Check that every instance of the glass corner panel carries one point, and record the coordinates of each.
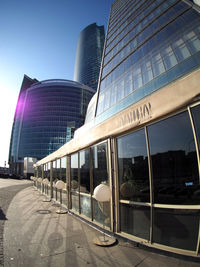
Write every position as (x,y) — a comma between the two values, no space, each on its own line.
(133,167)
(176,228)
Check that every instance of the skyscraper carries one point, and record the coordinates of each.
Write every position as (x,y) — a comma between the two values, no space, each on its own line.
(149,44)
(46,116)
(89,54)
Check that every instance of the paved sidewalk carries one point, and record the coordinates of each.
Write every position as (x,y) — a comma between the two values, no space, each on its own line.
(35,235)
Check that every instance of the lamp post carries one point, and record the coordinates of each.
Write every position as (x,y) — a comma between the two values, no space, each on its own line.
(102,193)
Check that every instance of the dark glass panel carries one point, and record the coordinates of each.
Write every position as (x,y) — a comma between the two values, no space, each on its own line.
(54,173)
(100,173)
(74,182)
(133,167)
(176,228)
(196,118)
(135,220)
(174,161)
(85,171)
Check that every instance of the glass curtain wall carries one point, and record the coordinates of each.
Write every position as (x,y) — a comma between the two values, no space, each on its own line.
(89,168)
(134,185)
(175,182)
(48,168)
(39,169)
(168,202)
(63,170)
(85,187)
(74,182)
(100,175)
(54,178)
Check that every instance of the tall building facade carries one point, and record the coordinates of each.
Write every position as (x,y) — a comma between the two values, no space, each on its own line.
(149,44)
(89,54)
(46,116)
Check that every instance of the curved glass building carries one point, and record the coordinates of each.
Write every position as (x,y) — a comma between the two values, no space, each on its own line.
(88,55)
(46,116)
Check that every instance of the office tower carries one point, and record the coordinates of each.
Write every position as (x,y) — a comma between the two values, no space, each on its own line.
(149,44)
(46,116)
(88,55)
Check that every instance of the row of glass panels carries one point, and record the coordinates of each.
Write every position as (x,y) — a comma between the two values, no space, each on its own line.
(157,188)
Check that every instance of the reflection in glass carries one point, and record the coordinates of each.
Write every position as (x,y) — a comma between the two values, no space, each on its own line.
(174,161)
(85,200)
(58,168)
(196,118)
(176,228)
(133,167)
(63,166)
(63,169)
(55,178)
(100,175)
(85,171)
(135,220)
(74,182)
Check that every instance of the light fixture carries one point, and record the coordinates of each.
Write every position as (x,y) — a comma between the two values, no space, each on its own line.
(102,193)
(60,185)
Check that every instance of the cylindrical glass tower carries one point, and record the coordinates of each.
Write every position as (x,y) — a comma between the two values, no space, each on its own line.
(47,114)
(88,55)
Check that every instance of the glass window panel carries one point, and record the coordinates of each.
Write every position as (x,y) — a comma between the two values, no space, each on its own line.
(193,42)
(58,168)
(113,96)
(128,86)
(100,103)
(107,99)
(176,228)
(54,174)
(133,167)
(63,168)
(174,161)
(85,171)
(196,118)
(137,78)
(181,50)
(85,201)
(74,182)
(135,220)
(158,66)
(120,90)
(147,72)
(100,175)
(169,57)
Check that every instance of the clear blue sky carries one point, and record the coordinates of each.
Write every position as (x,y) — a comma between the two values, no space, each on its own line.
(39,38)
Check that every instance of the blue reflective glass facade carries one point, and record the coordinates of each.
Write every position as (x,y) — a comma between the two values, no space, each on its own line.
(89,54)
(45,112)
(149,44)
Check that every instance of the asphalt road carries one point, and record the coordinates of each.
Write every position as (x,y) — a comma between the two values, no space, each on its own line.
(8,189)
